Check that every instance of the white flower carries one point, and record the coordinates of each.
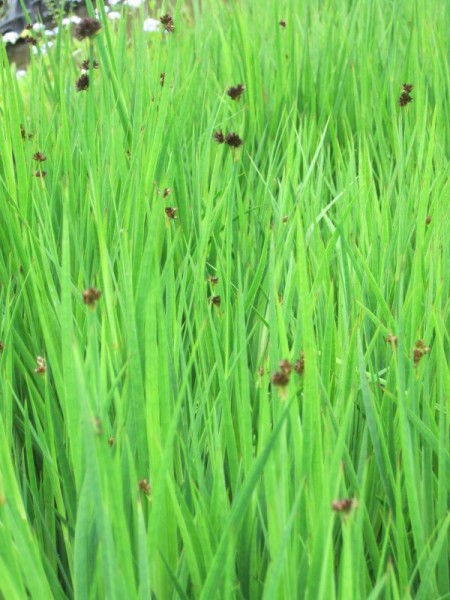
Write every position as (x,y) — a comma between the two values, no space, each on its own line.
(114,2)
(38,26)
(20,74)
(133,3)
(113,15)
(11,37)
(151,25)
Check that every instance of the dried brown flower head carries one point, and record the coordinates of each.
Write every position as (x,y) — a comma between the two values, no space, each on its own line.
(419,352)
(41,367)
(87,28)
(91,296)
(111,441)
(41,174)
(170,212)
(145,487)
(29,39)
(39,157)
(219,137)
(280,379)
(428,220)
(404,99)
(299,366)
(282,24)
(166,192)
(168,23)
(345,505)
(162,78)
(391,339)
(82,83)
(233,140)
(235,92)
(213,280)
(407,87)
(215,301)
(86,64)
(285,366)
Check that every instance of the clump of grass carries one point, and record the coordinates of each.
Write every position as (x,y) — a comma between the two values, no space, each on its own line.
(253,399)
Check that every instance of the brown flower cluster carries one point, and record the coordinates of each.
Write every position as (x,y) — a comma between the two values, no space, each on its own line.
(170,212)
(24,134)
(86,63)
(167,21)
(345,505)
(235,92)
(41,367)
(82,83)
(39,157)
(281,378)
(216,301)
(91,296)
(145,487)
(391,339)
(230,139)
(405,97)
(420,349)
(87,28)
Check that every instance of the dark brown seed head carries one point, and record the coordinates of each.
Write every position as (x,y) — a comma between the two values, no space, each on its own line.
(407,87)
(215,301)
(82,83)
(168,23)
(145,487)
(22,132)
(87,28)
(285,366)
(233,140)
(419,352)
(91,295)
(39,157)
(428,220)
(166,192)
(282,24)
(162,78)
(41,367)
(299,366)
(404,99)
(111,441)
(86,63)
(280,379)
(344,506)
(170,212)
(213,280)
(32,41)
(2,346)
(41,174)
(235,92)
(219,137)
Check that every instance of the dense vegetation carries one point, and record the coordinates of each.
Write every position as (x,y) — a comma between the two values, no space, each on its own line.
(224,366)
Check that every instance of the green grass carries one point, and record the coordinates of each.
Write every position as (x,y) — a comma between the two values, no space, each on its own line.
(316,228)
